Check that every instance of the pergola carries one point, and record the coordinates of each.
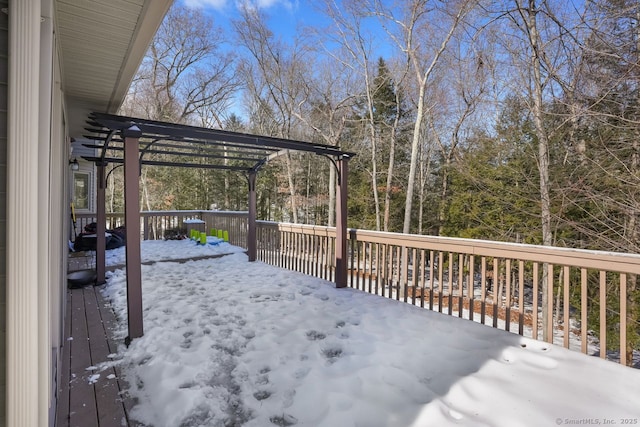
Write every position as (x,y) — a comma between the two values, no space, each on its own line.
(131,141)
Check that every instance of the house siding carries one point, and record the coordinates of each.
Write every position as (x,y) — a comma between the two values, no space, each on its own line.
(4,61)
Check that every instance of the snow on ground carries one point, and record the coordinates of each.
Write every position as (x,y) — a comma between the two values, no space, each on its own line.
(230,343)
(162,250)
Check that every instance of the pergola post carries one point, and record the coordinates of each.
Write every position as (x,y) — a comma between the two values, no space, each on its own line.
(341,223)
(252,247)
(101,219)
(132,225)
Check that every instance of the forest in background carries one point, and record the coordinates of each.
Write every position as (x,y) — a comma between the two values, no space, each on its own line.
(511,121)
(508,120)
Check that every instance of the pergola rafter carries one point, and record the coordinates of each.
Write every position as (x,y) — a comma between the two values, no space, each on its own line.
(131,141)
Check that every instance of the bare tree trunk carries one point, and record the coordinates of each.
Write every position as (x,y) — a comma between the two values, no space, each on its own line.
(633,302)
(414,159)
(332,196)
(145,196)
(387,195)
(425,173)
(423,77)
(227,184)
(308,192)
(392,156)
(112,189)
(543,149)
(442,209)
(374,177)
(292,189)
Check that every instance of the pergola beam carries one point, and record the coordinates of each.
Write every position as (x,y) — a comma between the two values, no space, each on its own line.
(185,133)
(204,155)
(225,145)
(175,164)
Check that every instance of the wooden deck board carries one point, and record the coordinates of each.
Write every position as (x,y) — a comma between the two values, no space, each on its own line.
(62,409)
(82,403)
(88,343)
(109,321)
(109,403)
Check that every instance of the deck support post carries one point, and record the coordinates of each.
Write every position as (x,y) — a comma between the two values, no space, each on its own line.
(252,247)
(341,223)
(132,225)
(101,220)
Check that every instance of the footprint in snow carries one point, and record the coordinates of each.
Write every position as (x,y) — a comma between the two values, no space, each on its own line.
(315,335)
(262,394)
(332,354)
(283,420)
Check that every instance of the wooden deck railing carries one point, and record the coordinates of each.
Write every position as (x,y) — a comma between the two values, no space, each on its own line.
(158,225)
(498,284)
(493,283)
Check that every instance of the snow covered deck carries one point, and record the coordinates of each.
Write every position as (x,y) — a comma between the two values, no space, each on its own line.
(228,342)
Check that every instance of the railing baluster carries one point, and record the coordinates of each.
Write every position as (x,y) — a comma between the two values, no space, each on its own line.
(377,266)
(368,267)
(535,300)
(450,286)
(323,269)
(483,289)
(404,272)
(431,278)
(296,252)
(307,254)
(414,276)
(389,273)
(549,303)
(507,293)
(397,272)
(471,287)
(460,284)
(623,319)
(440,280)
(603,314)
(497,298)
(316,255)
(422,278)
(363,267)
(583,311)
(565,307)
(521,297)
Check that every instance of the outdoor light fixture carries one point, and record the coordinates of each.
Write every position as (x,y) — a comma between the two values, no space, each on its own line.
(74,164)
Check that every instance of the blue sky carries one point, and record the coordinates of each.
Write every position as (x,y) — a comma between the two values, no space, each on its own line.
(284,15)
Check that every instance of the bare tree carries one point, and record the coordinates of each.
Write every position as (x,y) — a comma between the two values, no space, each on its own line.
(274,80)
(184,70)
(421,30)
(355,55)
(540,54)
(185,77)
(462,90)
(325,107)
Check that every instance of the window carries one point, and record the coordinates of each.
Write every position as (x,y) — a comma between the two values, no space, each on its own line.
(81,190)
